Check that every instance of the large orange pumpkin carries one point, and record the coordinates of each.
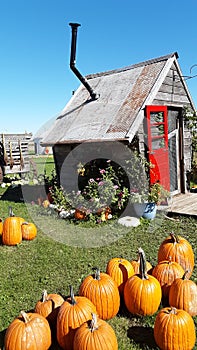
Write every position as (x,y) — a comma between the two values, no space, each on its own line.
(177,249)
(142,292)
(12,234)
(49,306)
(29,230)
(166,272)
(174,329)
(120,270)
(74,311)
(29,331)
(103,291)
(183,295)
(95,335)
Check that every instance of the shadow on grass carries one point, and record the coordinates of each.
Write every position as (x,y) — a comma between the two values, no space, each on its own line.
(2,335)
(25,193)
(140,334)
(143,336)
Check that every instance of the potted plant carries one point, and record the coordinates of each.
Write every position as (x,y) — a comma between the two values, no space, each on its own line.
(139,200)
(157,195)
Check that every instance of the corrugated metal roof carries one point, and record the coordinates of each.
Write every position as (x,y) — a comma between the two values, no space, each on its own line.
(122,93)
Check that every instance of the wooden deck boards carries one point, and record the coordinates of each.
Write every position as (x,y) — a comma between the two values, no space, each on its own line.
(185,204)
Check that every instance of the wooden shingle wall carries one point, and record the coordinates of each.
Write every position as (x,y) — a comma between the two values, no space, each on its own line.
(172,91)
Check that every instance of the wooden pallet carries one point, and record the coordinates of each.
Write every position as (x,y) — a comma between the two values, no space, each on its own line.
(14,149)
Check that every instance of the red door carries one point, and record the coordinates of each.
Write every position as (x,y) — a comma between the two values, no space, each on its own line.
(157,130)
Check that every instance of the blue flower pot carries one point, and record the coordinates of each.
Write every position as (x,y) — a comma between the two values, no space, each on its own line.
(150,211)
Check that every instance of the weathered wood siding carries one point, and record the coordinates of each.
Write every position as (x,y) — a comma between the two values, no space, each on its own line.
(187,149)
(172,91)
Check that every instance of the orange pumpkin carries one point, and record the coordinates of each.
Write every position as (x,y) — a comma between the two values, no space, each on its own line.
(72,313)
(103,291)
(1,226)
(29,331)
(49,306)
(177,249)
(120,270)
(183,295)
(12,234)
(142,292)
(80,214)
(29,230)
(136,266)
(95,335)
(166,272)
(174,329)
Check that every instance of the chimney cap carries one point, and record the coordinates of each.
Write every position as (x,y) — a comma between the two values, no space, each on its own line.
(74,25)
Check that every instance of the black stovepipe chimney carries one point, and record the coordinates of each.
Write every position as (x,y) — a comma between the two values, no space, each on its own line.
(83,80)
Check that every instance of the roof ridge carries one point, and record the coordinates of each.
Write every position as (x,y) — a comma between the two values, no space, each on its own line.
(143,63)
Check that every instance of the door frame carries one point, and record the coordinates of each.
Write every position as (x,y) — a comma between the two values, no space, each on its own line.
(181,178)
(171,134)
(157,144)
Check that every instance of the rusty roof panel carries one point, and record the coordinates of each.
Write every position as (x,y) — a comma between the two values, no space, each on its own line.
(136,97)
(85,119)
(122,93)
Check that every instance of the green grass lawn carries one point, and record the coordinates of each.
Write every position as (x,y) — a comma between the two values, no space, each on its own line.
(53,262)
(63,253)
(43,162)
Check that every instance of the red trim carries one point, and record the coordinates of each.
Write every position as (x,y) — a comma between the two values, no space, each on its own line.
(158,151)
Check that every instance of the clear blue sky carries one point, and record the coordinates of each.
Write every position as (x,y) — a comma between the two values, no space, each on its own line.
(35,79)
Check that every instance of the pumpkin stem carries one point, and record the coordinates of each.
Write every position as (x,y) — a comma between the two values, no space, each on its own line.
(73,301)
(97,273)
(173,310)
(185,274)
(174,237)
(44,296)
(142,267)
(25,316)
(11,212)
(94,324)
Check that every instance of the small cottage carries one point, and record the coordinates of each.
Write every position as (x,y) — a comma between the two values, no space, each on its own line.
(143,104)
